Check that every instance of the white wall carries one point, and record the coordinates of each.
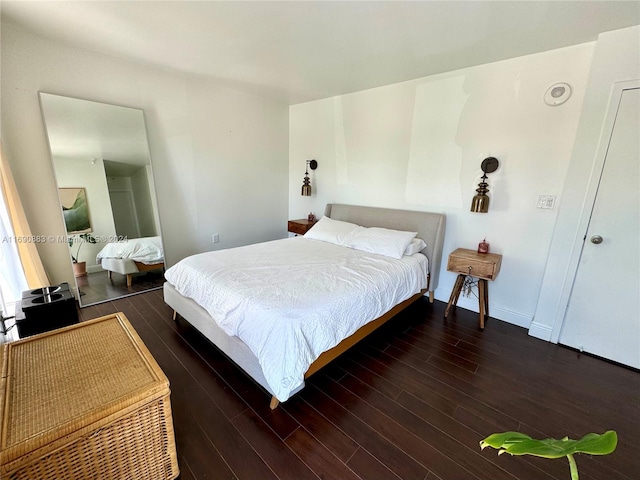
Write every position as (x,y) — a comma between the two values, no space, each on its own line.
(616,59)
(418,145)
(142,197)
(154,198)
(126,219)
(219,155)
(74,173)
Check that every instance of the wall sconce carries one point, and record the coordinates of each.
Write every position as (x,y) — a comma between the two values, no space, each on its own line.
(306,183)
(480,202)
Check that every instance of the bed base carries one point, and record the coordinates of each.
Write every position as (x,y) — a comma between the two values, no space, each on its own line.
(143,267)
(358,335)
(430,227)
(127,267)
(349,342)
(333,353)
(234,348)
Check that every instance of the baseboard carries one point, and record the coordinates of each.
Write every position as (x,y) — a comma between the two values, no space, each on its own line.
(543,332)
(94,268)
(497,312)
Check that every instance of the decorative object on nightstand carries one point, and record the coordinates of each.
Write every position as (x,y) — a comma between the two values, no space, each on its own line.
(473,269)
(480,202)
(301,226)
(306,183)
(483,246)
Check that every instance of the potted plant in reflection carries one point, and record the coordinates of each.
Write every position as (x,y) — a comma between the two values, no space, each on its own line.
(79,268)
(516,443)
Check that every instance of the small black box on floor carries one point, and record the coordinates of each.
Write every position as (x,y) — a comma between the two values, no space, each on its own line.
(39,292)
(45,309)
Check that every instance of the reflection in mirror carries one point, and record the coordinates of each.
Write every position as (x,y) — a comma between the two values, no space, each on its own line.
(102,164)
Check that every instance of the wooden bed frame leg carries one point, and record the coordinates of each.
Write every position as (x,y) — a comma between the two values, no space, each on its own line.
(274,403)
(109,274)
(128,280)
(431,296)
(175,315)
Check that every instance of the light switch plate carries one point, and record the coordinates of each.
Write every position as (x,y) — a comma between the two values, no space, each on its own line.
(546,201)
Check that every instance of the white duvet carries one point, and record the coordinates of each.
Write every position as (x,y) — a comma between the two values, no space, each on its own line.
(147,250)
(290,300)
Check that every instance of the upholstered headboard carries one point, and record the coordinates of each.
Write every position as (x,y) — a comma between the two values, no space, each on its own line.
(430,227)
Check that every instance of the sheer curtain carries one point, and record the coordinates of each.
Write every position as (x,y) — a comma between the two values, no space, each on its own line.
(12,278)
(20,264)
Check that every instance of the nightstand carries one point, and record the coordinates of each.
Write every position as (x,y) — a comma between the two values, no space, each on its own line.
(300,227)
(473,269)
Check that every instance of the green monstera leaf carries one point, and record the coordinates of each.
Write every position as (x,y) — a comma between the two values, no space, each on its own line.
(516,443)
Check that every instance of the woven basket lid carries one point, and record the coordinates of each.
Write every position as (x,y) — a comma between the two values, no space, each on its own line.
(60,382)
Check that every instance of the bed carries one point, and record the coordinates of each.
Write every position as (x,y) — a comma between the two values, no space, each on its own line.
(312,332)
(132,256)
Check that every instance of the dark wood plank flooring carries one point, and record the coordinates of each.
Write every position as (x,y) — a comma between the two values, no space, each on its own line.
(411,401)
(98,287)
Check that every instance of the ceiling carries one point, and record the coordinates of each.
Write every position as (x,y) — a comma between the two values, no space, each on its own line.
(88,131)
(298,51)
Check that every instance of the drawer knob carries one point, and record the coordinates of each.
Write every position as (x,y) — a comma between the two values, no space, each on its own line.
(469,268)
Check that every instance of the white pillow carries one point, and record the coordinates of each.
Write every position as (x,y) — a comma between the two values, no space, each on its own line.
(332,231)
(415,246)
(391,243)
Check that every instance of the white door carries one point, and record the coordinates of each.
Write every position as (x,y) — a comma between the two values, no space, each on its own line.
(603,316)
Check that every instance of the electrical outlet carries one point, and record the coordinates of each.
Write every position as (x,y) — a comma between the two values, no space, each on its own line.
(216,237)
(546,201)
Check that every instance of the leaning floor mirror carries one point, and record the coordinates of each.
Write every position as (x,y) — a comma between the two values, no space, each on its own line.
(101,160)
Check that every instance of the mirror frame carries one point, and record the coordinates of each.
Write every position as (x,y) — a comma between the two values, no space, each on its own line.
(126,267)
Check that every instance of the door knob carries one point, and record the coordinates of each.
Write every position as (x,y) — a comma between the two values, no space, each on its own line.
(596,239)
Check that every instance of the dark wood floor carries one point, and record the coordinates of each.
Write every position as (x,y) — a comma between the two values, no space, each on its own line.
(410,402)
(98,287)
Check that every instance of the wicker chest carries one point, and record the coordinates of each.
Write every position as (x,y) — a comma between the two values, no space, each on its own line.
(85,402)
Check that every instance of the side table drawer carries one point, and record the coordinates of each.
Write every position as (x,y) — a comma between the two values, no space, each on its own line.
(466,267)
(468,262)
(299,227)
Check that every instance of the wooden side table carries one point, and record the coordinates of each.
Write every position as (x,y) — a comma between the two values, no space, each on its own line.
(300,227)
(471,265)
